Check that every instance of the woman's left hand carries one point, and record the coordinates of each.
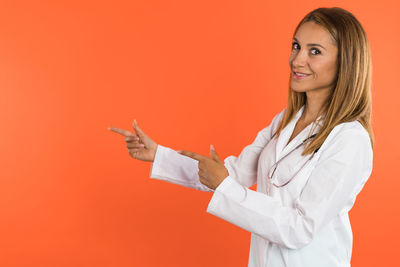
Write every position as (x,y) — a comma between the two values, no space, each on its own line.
(211,170)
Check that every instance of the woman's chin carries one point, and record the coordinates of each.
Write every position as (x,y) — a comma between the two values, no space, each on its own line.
(298,90)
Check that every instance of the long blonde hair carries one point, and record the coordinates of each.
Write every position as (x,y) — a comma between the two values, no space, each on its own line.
(351,97)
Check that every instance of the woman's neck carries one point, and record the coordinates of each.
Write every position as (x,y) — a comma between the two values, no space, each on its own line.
(315,106)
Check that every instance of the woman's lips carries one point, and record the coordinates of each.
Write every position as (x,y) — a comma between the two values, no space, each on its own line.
(299,75)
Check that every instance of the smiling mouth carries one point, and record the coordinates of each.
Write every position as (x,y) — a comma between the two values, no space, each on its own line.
(299,75)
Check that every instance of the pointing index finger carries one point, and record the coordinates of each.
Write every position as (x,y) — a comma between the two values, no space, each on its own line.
(121,131)
(192,155)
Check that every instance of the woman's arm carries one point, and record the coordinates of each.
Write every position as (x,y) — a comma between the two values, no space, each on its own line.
(344,166)
(170,166)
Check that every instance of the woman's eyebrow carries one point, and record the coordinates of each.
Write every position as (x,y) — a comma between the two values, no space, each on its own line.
(312,44)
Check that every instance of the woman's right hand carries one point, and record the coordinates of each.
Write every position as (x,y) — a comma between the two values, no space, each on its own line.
(140,145)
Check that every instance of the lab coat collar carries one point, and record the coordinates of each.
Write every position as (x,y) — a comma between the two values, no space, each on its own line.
(282,146)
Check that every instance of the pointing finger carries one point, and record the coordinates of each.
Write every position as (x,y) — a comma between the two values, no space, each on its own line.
(192,155)
(121,131)
(132,139)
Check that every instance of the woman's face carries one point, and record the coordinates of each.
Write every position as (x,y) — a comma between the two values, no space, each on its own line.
(313,60)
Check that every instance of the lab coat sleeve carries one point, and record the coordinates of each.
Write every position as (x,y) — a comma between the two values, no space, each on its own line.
(343,168)
(170,166)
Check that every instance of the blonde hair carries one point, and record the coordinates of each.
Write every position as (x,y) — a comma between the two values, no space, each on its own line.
(351,97)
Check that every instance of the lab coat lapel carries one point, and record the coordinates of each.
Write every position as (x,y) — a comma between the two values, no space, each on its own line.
(284,136)
(281,148)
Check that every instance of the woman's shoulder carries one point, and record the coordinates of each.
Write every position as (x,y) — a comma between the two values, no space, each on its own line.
(268,130)
(349,134)
(351,127)
(278,117)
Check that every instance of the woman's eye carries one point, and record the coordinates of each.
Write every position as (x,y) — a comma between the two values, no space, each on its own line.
(315,51)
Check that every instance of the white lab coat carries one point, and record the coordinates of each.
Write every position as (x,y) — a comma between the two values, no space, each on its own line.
(304,223)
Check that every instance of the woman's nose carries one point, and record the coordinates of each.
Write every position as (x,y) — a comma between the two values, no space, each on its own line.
(299,59)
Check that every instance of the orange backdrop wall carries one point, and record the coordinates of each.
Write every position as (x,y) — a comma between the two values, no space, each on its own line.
(193,73)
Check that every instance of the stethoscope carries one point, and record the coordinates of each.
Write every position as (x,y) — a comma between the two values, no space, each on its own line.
(273,168)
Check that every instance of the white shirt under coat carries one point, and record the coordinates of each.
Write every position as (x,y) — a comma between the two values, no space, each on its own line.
(304,223)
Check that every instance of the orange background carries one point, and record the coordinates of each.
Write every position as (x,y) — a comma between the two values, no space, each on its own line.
(193,73)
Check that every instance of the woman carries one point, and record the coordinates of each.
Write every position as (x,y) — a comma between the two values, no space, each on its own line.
(309,163)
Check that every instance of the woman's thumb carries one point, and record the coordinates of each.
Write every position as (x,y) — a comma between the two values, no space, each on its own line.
(137,129)
(214,154)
